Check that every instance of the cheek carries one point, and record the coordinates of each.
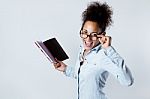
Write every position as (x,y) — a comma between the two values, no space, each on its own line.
(83,40)
(95,42)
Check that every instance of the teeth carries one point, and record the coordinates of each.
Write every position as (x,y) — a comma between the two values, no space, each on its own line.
(88,44)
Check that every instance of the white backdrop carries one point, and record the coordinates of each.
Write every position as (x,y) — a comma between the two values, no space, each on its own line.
(25,73)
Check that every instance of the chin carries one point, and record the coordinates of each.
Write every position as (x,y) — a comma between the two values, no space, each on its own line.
(87,48)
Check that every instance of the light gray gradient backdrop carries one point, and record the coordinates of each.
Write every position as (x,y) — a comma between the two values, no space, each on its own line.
(25,73)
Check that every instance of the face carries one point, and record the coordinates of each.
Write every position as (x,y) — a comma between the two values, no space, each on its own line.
(91,29)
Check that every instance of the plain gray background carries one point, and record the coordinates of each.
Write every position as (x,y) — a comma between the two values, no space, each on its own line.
(25,73)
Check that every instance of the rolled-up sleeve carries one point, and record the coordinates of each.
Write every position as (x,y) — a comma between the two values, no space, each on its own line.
(115,65)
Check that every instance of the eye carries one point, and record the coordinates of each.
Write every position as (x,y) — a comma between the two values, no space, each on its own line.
(83,35)
(94,34)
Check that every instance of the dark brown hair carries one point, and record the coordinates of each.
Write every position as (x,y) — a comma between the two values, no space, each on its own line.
(98,12)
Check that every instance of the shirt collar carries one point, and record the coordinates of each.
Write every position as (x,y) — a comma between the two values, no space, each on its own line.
(96,48)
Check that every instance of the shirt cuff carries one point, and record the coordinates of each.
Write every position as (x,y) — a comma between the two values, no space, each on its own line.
(68,71)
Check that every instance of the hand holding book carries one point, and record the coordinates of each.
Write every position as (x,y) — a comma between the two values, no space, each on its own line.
(59,65)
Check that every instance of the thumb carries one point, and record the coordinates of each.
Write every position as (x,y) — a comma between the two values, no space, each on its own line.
(101,39)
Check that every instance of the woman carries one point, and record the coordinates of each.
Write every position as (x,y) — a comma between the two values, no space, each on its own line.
(97,58)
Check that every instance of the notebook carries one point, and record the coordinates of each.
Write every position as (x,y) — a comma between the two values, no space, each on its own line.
(52,50)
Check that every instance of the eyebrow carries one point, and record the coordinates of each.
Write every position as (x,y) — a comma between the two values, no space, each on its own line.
(91,32)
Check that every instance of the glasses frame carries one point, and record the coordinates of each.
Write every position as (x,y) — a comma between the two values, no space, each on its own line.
(89,35)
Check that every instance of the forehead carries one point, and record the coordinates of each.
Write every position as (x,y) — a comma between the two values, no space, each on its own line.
(91,26)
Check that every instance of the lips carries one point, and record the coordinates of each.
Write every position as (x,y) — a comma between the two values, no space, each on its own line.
(88,44)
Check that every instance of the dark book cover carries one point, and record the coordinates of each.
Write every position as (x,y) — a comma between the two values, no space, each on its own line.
(55,49)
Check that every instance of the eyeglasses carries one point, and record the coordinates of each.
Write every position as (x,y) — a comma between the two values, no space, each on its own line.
(93,35)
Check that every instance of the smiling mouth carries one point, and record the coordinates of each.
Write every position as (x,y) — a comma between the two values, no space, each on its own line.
(88,44)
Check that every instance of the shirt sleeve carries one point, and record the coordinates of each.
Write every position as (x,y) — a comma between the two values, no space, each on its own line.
(70,72)
(115,65)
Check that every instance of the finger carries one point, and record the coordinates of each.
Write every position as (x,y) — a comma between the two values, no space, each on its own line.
(56,60)
(108,38)
(102,39)
(56,65)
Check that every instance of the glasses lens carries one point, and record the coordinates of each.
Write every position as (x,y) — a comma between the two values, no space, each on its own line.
(84,35)
(93,36)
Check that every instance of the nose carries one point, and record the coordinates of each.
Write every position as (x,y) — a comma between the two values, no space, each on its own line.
(88,38)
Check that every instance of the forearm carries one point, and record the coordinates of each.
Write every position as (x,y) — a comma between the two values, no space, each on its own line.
(69,71)
(114,56)
(123,74)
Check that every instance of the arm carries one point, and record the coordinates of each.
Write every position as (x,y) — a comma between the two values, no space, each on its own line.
(117,67)
(114,63)
(67,70)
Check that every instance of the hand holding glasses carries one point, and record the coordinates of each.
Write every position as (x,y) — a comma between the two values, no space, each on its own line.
(104,40)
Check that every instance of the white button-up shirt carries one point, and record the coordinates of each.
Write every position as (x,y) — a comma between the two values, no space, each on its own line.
(97,65)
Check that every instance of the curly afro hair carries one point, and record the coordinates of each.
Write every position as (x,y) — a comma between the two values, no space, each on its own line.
(98,12)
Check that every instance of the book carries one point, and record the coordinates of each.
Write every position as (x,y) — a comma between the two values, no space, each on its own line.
(52,50)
